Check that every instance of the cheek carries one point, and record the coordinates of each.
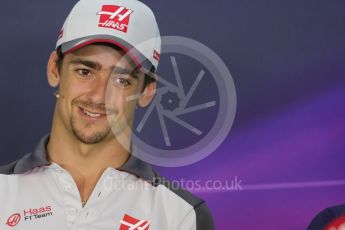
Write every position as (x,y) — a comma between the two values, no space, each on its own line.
(124,104)
(69,91)
(128,111)
(121,98)
(114,99)
(72,87)
(66,86)
(121,102)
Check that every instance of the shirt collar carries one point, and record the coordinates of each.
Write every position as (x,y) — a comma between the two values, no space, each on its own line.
(38,158)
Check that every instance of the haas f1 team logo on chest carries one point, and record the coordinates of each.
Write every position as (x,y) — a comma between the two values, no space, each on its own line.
(115,17)
(13,220)
(131,223)
(30,214)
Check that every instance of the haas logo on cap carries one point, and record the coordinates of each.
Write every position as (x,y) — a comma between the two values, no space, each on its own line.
(115,17)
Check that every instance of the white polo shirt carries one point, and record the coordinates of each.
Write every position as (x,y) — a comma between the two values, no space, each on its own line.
(37,195)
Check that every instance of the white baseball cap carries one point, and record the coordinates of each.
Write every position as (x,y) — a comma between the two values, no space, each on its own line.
(128,24)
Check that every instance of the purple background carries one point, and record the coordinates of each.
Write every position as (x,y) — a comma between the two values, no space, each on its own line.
(287,60)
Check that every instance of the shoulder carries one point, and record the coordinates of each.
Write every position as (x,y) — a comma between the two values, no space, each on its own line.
(20,166)
(8,168)
(326,216)
(186,211)
(199,214)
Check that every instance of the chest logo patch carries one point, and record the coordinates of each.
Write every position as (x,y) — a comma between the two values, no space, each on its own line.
(13,220)
(131,223)
(30,214)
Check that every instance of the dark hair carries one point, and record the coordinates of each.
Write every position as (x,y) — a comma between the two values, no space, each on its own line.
(148,77)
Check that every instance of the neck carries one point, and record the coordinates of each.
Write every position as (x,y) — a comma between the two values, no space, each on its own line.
(71,153)
(85,162)
(66,150)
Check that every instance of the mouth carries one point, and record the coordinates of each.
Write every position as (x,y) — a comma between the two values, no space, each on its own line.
(92,114)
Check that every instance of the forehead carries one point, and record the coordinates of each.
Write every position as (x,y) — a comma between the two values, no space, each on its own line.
(106,55)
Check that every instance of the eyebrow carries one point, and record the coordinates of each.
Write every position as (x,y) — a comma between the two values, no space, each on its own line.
(125,71)
(97,66)
(91,64)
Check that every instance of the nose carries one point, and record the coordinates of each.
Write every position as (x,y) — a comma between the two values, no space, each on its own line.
(99,88)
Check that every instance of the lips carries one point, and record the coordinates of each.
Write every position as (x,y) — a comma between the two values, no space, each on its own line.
(92,114)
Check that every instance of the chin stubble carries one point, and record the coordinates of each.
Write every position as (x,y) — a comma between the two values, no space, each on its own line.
(95,138)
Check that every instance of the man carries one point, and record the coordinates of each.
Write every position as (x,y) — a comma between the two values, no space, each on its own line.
(329,219)
(82,175)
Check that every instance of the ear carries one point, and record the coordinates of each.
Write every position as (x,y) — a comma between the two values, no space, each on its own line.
(147,96)
(52,70)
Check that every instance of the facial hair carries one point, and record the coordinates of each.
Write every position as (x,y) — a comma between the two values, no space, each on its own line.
(94,138)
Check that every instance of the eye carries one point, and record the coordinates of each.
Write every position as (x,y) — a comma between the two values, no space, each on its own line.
(121,82)
(84,73)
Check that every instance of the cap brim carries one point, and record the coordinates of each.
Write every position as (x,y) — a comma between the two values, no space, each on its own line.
(139,59)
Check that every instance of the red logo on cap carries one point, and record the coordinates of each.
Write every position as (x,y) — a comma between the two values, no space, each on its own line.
(336,224)
(60,33)
(156,55)
(115,17)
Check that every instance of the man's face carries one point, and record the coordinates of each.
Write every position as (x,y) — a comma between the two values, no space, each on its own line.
(95,83)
